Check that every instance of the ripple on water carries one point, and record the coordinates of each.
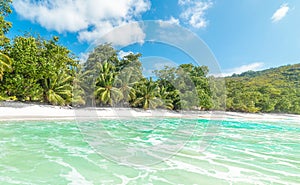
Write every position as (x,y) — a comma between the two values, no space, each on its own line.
(54,152)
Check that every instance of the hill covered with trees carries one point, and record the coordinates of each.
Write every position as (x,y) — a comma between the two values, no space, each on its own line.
(271,90)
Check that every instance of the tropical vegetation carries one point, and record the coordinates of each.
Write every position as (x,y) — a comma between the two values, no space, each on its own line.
(38,70)
(271,90)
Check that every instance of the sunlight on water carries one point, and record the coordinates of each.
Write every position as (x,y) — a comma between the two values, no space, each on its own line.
(241,153)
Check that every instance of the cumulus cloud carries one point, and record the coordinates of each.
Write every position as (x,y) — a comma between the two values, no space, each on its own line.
(238,70)
(171,21)
(280,13)
(194,12)
(125,35)
(89,18)
(122,53)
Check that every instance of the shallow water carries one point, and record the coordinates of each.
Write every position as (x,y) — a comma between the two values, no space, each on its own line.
(217,152)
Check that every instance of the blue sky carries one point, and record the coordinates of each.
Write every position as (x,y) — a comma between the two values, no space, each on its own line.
(242,34)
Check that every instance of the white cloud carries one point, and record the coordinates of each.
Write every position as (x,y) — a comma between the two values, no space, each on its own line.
(122,53)
(171,21)
(90,18)
(125,35)
(280,13)
(194,12)
(100,28)
(238,70)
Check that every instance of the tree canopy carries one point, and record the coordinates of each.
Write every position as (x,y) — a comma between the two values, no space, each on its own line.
(35,69)
(271,90)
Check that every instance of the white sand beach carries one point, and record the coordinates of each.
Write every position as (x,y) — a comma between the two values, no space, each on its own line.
(20,111)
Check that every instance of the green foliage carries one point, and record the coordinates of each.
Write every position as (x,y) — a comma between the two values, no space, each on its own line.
(166,98)
(4,25)
(79,86)
(39,68)
(100,54)
(58,90)
(147,95)
(271,90)
(5,61)
(187,86)
(218,93)
(5,64)
(35,69)
(105,92)
(110,80)
(22,82)
(125,82)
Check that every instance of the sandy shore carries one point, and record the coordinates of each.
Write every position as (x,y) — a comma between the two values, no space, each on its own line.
(19,111)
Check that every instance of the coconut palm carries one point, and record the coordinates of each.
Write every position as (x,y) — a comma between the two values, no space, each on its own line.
(148,93)
(165,97)
(125,81)
(82,86)
(58,90)
(105,92)
(5,64)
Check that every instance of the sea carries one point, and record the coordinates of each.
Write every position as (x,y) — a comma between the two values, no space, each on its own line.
(150,151)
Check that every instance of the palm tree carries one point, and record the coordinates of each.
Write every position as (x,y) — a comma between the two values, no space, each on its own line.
(5,64)
(82,86)
(105,92)
(165,97)
(58,90)
(125,81)
(148,93)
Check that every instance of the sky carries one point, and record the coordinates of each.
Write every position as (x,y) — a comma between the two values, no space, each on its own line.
(242,35)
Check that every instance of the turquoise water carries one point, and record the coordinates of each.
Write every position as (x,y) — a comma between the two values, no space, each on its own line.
(56,152)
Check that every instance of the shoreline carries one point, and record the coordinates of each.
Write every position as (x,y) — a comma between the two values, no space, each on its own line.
(17,111)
